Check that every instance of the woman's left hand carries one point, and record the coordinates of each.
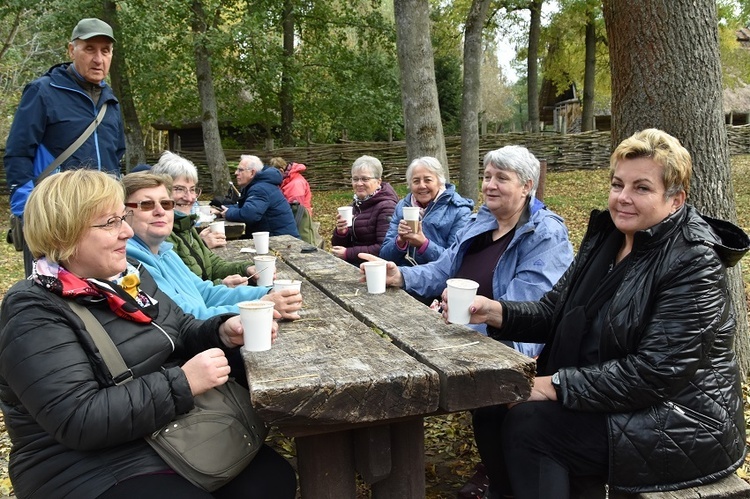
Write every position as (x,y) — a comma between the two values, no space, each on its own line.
(415,239)
(542,389)
(231,331)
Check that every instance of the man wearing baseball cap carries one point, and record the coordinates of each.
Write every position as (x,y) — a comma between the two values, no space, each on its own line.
(57,108)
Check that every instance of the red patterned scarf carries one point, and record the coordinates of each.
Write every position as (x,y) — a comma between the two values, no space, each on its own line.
(130,303)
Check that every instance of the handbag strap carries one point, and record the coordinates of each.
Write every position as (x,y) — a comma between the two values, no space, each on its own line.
(74,146)
(104,343)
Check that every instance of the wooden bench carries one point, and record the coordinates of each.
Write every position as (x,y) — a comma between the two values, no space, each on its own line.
(731,487)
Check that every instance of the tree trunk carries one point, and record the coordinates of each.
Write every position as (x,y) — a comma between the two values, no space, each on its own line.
(468,184)
(662,77)
(217,162)
(135,152)
(419,97)
(589,73)
(532,64)
(286,102)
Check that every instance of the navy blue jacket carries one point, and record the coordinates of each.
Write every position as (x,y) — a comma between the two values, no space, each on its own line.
(263,207)
(53,112)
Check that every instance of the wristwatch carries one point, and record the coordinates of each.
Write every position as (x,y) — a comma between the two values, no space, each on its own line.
(556,383)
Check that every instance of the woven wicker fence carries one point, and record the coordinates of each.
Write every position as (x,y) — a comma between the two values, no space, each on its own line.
(328,165)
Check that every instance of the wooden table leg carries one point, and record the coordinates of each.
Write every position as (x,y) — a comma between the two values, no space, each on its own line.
(325,464)
(372,452)
(406,479)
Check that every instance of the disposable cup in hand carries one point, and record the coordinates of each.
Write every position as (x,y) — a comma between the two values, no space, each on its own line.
(265,267)
(260,239)
(217,227)
(411,215)
(257,323)
(282,284)
(461,293)
(346,214)
(375,276)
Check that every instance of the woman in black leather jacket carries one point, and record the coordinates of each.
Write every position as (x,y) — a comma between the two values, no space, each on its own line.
(75,433)
(638,382)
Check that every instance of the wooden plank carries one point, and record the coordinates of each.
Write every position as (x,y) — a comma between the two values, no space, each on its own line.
(731,487)
(329,368)
(475,371)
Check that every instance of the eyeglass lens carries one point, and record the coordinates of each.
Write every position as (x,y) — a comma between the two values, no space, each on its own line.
(184,190)
(150,204)
(361,179)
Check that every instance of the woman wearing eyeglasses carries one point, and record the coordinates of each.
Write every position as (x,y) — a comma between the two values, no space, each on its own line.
(148,195)
(373,205)
(75,433)
(194,247)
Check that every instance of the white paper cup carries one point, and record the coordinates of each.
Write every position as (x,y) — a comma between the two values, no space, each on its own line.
(257,323)
(260,239)
(375,276)
(265,267)
(461,293)
(281,284)
(411,215)
(346,213)
(217,227)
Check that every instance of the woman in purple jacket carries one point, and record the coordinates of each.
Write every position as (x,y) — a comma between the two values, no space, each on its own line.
(373,205)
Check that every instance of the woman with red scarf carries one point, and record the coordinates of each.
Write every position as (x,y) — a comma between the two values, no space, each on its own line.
(75,432)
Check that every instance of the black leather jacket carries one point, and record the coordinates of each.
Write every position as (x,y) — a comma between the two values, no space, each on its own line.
(74,433)
(667,376)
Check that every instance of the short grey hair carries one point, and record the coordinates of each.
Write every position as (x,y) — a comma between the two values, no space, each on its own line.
(432,164)
(368,162)
(176,167)
(516,159)
(252,162)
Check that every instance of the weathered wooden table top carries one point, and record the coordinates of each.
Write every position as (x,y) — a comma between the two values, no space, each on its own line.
(332,366)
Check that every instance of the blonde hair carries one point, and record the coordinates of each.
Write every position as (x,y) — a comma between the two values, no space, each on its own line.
(664,150)
(278,162)
(61,208)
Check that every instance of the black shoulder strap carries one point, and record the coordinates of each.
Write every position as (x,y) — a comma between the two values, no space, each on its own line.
(104,343)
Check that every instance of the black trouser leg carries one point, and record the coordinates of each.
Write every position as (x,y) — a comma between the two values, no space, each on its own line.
(544,444)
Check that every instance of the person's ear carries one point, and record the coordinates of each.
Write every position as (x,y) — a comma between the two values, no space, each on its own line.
(678,200)
(71,47)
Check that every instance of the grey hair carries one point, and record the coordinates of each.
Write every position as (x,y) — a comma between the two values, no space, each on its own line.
(431,164)
(176,167)
(368,162)
(516,159)
(253,162)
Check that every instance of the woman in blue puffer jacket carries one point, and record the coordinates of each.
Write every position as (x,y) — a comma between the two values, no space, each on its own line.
(443,212)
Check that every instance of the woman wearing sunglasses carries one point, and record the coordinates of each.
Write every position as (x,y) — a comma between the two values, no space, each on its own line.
(148,195)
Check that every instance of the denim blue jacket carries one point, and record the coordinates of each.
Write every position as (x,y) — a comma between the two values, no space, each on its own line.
(536,257)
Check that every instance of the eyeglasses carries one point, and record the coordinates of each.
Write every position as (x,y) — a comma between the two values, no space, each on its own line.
(150,204)
(182,191)
(242,170)
(114,223)
(361,179)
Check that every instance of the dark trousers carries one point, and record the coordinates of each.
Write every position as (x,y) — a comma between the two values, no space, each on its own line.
(532,449)
(268,476)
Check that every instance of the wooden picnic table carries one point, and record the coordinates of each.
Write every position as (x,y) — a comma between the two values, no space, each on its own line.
(353,379)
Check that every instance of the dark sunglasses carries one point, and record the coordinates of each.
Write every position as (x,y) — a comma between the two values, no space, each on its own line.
(150,204)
